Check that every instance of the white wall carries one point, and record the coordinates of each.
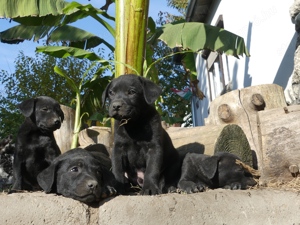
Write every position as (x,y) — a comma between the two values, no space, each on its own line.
(270,37)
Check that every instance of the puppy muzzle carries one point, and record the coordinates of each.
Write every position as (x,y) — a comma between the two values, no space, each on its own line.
(50,127)
(118,110)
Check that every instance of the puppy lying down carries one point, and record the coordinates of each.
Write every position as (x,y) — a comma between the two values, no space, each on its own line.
(81,174)
(221,170)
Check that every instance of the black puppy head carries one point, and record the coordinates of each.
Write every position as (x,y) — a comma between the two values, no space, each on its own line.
(75,174)
(232,175)
(44,111)
(130,94)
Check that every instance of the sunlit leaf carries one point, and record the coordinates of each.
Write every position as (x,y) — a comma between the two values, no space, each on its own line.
(63,52)
(198,36)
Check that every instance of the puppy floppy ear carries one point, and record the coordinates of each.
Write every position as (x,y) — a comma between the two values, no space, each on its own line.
(151,90)
(46,178)
(209,166)
(27,107)
(104,94)
(61,114)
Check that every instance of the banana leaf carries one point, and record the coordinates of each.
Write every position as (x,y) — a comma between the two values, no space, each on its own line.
(75,37)
(42,18)
(63,52)
(197,36)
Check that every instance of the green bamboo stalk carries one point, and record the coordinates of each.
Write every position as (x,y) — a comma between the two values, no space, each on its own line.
(131,25)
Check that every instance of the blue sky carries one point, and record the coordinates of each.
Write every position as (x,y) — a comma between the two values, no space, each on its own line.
(10,52)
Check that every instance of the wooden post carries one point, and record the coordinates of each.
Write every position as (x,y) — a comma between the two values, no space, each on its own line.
(279,143)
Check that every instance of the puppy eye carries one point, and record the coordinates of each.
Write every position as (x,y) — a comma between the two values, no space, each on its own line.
(111,93)
(74,169)
(45,109)
(131,92)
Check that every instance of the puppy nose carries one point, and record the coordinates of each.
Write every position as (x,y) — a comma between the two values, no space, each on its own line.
(116,105)
(57,122)
(92,184)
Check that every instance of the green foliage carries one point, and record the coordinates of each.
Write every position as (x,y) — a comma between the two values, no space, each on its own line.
(191,37)
(49,19)
(174,109)
(180,5)
(34,76)
(181,34)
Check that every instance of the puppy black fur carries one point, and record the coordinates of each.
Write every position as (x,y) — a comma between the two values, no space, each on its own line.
(35,144)
(81,174)
(218,171)
(143,152)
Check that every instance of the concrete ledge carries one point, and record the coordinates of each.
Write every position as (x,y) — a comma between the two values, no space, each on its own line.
(220,206)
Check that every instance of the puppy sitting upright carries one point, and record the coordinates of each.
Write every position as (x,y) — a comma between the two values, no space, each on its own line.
(35,145)
(143,152)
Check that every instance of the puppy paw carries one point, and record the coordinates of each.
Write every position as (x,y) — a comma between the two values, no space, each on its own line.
(172,189)
(109,191)
(150,191)
(234,186)
(190,187)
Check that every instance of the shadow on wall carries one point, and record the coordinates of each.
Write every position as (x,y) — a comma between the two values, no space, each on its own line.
(234,76)
(286,67)
(247,76)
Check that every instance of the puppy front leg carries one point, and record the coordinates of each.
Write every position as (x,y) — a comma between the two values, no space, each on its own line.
(17,172)
(188,182)
(117,166)
(153,172)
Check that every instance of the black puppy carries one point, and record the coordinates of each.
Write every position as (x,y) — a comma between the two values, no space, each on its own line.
(35,145)
(219,171)
(81,174)
(143,152)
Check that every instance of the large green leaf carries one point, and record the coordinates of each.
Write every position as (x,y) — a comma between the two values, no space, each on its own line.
(49,18)
(87,10)
(21,8)
(63,52)
(20,33)
(197,36)
(75,37)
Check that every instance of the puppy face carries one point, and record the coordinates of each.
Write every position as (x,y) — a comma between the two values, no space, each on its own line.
(75,174)
(218,171)
(128,95)
(231,175)
(44,111)
(80,179)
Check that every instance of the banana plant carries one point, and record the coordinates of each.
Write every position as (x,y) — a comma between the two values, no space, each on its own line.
(50,18)
(89,89)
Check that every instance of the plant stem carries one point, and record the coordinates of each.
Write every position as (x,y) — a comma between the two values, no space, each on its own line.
(77,123)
